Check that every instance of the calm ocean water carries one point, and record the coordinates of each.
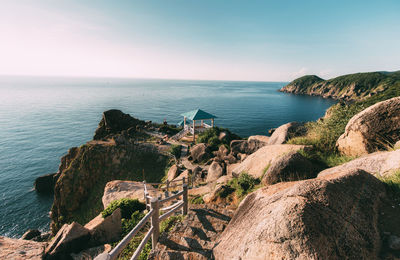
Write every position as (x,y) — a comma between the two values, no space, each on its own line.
(40,118)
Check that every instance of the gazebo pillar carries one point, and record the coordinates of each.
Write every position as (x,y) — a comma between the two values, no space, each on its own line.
(194,130)
(184,122)
(212,122)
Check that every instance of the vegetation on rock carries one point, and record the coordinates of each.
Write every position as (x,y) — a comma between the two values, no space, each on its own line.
(212,137)
(127,206)
(175,150)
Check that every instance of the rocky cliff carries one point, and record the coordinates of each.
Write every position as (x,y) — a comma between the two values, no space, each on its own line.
(86,169)
(352,87)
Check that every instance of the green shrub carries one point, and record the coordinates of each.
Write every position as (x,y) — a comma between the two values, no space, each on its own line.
(127,206)
(169,129)
(196,200)
(175,150)
(392,184)
(243,185)
(211,137)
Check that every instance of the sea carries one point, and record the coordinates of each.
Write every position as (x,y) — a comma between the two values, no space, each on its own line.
(42,117)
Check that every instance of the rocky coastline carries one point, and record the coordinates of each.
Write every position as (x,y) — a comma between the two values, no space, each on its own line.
(301,193)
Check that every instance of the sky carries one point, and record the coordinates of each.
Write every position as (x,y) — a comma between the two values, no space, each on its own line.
(199,39)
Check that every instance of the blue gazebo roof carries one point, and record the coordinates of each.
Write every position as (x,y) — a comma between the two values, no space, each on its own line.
(198,114)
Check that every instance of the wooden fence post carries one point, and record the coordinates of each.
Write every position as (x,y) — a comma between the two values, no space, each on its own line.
(167,193)
(185,199)
(183,180)
(155,222)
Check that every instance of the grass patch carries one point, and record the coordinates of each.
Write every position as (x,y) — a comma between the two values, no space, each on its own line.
(175,150)
(127,206)
(129,223)
(392,184)
(240,186)
(196,200)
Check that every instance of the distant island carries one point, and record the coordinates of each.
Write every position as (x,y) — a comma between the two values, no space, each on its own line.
(351,87)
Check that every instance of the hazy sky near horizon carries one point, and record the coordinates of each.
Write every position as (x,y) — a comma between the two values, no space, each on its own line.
(207,39)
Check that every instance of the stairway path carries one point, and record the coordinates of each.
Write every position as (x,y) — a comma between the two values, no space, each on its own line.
(195,237)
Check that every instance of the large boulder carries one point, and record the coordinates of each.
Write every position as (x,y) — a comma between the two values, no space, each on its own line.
(115,121)
(70,238)
(380,164)
(290,167)
(173,172)
(30,234)
(261,138)
(19,249)
(334,217)
(105,230)
(215,171)
(115,190)
(375,128)
(256,163)
(45,183)
(91,253)
(200,153)
(286,132)
(246,146)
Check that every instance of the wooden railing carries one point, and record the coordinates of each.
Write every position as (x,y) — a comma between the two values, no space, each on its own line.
(154,207)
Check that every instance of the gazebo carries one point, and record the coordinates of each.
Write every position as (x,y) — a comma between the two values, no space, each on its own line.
(190,118)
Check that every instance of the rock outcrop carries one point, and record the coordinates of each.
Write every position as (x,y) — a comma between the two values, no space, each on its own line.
(30,234)
(246,146)
(105,230)
(70,239)
(115,190)
(380,164)
(215,171)
(173,172)
(290,167)
(19,249)
(332,217)
(257,163)
(45,183)
(115,121)
(200,153)
(260,138)
(286,132)
(375,128)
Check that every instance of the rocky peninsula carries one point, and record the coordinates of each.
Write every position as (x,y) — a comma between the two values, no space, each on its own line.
(328,189)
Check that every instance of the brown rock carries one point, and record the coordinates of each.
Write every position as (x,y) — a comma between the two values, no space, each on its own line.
(30,234)
(286,132)
(256,163)
(113,122)
(289,167)
(222,151)
(396,146)
(245,146)
(260,138)
(115,190)
(45,183)
(105,230)
(325,218)
(200,153)
(380,164)
(19,249)
(91,253)
(214,172)
(185,174)
(230,159)
(212,196)
(70,238)
(375,128)
(173,172)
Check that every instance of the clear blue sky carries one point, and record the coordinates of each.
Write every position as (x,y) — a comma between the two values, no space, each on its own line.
(231,40)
